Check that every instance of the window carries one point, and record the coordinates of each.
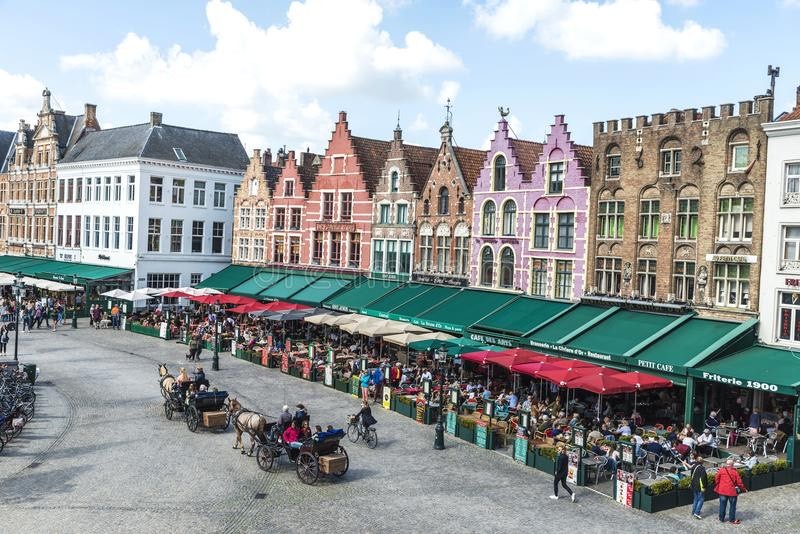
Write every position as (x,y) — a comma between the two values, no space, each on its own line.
(61,191)
(107,189)
(294,249)
(487,267)
(687,218)
(563,279)
(67,231)
(614,163)
(77,230)
(649,219)
(316,249)
(96,231)
(87,230)
(791,246)
(336,249)
(444,201)
(377,255)
(462,255)
(739,157)
(442,253)
(346,207)
(507,268)
(327,206)
(683,278)
(499,174)
(280,218)
(199,198)
(219,195)
(244,218)
(294,223)
(106,232)
(163,280)
(509,218)
(261,218)
(538,277)
(355,250)
(244,248)
(487,225)
(788,325)
(60,230)
(195,278)
(394,182)
(671,161)
(402,213)
(128,232)
(156,189)
(391,256)
(131,189)
(98,188)
(611,219)
(608,275)
(70,188)
(732,284)
(426,252)
(217,235)
(791,182)
(176,236)
(153,235)
(555,183)
(198,228)
(735,219)
(116,232)
(646,276)
(426,207)
(178,190)
(278,248)
(78,190)
(384,213)
(461,206)
(88,194)
(566,231)
(541,230)
(179,153)
(405,257)
(258,249)
(254,187)
(288,188)
(117,188)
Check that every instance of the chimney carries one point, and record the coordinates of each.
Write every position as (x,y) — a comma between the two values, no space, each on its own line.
(268,157)
(256,155)
(798,95)
(342,116)
(155,118)
(90,116)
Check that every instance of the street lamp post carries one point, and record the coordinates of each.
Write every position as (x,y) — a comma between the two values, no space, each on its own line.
(217,332)
(18,287)
(441,357)
(74,301)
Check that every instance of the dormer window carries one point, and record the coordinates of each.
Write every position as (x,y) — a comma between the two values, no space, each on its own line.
(288,188)
(394,186)
(499,174)
(253,187)
(179,154)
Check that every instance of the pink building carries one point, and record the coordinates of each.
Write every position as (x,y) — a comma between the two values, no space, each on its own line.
(289,196)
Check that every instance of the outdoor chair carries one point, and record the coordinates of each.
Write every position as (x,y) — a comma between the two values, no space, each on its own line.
(598,468)
(653,461)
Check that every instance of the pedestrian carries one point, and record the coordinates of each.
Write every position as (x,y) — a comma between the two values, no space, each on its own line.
(115,317)
(364,380)
(562,468)
(698,484)
(728,484)
(3,339)
(54,318)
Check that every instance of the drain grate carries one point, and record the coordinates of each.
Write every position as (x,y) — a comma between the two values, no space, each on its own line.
(34,465)
(260,496)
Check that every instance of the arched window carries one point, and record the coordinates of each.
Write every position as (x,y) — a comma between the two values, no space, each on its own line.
(487,224)
(487,266)
(613,162)
(395,182)
(509,218)
(507,268)
(426,207)
(499,173)
(461,205)
(444,201)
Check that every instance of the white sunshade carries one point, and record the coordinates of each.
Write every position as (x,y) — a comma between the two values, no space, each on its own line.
(386,327)
(403,339)
(115,293)
(319,318)
(6,279)
(342,320)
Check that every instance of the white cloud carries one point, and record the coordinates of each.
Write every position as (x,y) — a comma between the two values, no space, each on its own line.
(616,29)
(420,123)
(791,3)
(448,90)
(683,3)
(20,98)
(267,83)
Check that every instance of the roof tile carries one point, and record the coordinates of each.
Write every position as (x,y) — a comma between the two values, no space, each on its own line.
(471,162)
(371,155)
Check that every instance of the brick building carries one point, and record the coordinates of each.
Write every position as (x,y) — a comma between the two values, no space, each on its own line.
(444,214)
(395,203)
(28,178)
(530,214)
(338,222)
(677,209)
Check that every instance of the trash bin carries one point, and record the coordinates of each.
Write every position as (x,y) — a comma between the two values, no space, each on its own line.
(30,370)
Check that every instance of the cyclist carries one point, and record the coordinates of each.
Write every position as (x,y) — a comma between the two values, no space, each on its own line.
(365,415)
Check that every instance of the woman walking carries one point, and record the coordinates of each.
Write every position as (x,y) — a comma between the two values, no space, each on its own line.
(728,484)
(562,468)
(698,484)
(3,339)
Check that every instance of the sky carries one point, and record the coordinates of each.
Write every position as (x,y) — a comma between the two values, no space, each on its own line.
(278,72)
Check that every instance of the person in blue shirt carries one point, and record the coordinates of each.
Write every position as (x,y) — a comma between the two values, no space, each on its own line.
(364,380)
(512,399)
(487,394)
(377,381)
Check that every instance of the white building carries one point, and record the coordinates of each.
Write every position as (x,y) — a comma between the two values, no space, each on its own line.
(780,268)
(151,197)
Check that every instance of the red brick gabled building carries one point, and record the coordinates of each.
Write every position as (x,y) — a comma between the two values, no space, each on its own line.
(338,222)
(289,204)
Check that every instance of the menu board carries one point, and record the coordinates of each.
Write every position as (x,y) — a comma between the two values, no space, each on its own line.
(329,375)
(624,494)
(451,423)
(387,398)
(573,461)
(306,368)
(627,453)
(284,362)
(480,434)
(578,437)
(521,449)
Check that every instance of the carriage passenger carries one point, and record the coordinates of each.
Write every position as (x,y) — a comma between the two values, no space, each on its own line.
(301,414)
(190,393)
(284,418)
(291,436)
(183,377)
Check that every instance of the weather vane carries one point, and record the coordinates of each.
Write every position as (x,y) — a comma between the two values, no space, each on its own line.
(503,112)
(448,114)
(772,73)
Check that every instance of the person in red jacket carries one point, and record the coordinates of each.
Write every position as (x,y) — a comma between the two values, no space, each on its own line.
(728,484)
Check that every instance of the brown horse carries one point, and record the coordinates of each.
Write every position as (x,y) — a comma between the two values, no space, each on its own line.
(166,380)
(248,421)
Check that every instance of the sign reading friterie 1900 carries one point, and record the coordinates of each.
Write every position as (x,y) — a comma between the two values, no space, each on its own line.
(754,384)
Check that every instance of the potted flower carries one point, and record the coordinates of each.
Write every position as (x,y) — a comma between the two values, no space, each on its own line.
(466,428)
(660,495)
(710,493)
(781,474)
(685,493)
(546,460)
(760,477)
(745,474)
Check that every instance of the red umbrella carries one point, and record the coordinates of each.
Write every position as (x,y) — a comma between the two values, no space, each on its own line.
(575,364)
(280,306)
(603,383)
(511,357)
(248,308)
(562,376)
(643,380)
(223,299)
(177,294)
(478,357)
(533,368)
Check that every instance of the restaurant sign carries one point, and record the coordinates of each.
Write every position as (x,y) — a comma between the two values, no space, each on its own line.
(335,227)
(492,340)
(731,381)
(17,211)
(731,258)
(437,325)
(570,350)
(663,367)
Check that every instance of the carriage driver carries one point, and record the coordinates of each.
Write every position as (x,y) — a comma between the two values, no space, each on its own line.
(284,419)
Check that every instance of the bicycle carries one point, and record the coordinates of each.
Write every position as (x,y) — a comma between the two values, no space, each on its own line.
(355,431)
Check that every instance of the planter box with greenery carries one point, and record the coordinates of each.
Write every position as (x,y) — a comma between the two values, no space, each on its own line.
(659,496)
(710,494)
(760,477)
(546,459)
(531,461)
(685,493)
(466,429)
(341,384)
(136,328)
(781,474)
(406,406)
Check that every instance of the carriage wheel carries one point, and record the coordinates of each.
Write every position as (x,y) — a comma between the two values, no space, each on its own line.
(168,411)
(192,418)
(352,432)
(307,468)
(346,464)
(265,457)
(371,438)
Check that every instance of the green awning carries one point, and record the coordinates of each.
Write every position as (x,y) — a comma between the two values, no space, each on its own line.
(566,323)
(258,283)
(519,316)
(758,367)
(361,295)
(60,271)
(393,299)
(292,283)
(424,302)
(463,309)
(229,277)
(319,290)
(621,331)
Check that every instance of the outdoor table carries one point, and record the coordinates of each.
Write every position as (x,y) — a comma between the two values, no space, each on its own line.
(594,462)
(671,467)
(714,461)
(647,481)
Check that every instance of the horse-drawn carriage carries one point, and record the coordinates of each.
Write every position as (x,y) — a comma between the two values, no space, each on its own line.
(205,408)
(321,454)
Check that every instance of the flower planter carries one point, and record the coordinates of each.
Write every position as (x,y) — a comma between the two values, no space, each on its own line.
(295,372)
(657,503)
(431,415)
(466,432)
(405,406)
(544,463)
(685,496)
(710,494)
(341,385)
(760,481)
(531,459)
(521,450)
(255,357)
(784,476)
